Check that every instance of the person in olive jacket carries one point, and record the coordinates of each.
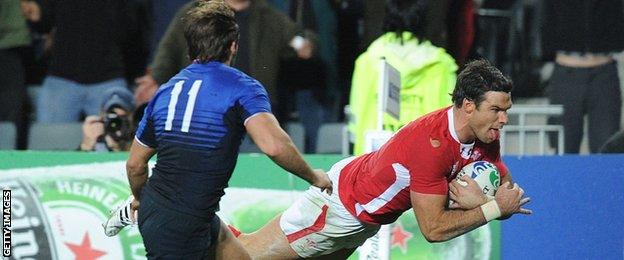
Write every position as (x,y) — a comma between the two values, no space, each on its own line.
(267,36)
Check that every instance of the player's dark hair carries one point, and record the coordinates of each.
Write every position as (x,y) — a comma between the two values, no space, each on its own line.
(405,16)
(209,30)
(478,77)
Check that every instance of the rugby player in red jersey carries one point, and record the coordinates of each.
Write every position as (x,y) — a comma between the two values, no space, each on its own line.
(414,169)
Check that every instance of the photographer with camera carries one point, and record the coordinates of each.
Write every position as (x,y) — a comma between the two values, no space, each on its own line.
(113,129)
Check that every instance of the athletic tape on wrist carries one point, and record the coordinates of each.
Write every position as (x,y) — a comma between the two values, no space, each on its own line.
(490,210)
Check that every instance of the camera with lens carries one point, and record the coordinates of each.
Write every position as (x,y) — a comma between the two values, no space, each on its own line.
(113,129)
(117,109)
(116,126)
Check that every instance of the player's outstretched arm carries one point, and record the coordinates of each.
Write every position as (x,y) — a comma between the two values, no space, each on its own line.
(136,167)
(275,143)
(439,224)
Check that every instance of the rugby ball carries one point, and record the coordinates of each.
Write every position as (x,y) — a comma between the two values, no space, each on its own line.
(484,173)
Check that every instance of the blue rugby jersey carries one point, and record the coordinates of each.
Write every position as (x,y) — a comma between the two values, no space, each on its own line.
(196,123)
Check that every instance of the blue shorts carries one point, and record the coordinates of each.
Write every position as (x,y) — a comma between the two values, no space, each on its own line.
(168,234)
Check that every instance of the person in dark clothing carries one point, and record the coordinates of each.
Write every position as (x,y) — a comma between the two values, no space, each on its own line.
(302,84)
(267,36)
(86,57)
(14,39)
(135,48)
(582,36)
(615,144)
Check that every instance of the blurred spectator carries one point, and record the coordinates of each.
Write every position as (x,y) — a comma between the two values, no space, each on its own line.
(582,36)
(457,32)
(302,84)
(615,144)
(113,128)
(428,73)
(14,38)
(135,47)
(508,35)
(86,57)
(373,16)
(266,36)
(162,13)
(449,24)
(321,17)
(349,33)
(441,17)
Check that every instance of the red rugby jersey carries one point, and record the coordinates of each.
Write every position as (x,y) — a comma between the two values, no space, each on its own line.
(424,156)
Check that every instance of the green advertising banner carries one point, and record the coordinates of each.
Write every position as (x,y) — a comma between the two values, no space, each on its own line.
(59,200)
(57,212)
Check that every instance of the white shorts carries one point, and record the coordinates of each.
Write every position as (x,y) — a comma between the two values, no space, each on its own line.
(318,224)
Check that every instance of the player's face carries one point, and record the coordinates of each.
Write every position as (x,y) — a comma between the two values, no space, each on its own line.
(490,116)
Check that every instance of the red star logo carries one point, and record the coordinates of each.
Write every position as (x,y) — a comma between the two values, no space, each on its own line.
(84,251)
(400,237)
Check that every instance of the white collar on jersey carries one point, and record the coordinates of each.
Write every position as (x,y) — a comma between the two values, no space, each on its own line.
(464,149)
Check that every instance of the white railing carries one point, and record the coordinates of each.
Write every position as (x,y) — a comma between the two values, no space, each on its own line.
(524,128)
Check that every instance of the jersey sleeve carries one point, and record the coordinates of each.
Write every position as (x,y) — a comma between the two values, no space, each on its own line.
(254,100)
(145,130)
(428,167)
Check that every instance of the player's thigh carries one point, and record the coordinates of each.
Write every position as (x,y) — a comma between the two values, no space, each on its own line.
(318,224)
(169,234)
(269,242)
(228,247)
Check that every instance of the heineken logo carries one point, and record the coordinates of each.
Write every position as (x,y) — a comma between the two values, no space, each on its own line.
(29,237)
(89,190)
(58,214)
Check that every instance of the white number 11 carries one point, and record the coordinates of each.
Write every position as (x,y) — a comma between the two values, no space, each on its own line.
(190,105)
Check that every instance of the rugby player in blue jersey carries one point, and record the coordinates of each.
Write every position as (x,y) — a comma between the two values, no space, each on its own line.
(195,124)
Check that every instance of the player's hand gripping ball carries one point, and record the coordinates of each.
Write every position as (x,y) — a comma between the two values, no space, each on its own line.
(484,173)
